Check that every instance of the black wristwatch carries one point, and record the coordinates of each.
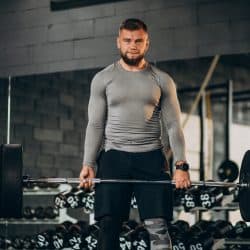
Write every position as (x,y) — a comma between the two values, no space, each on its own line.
(183,166)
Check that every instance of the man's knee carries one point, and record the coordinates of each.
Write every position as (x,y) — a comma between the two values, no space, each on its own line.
(159,236)
(109,222)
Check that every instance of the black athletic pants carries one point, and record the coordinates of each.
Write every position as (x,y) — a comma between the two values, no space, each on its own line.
(112,201)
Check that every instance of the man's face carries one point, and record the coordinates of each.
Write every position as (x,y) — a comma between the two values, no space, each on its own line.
(133,45)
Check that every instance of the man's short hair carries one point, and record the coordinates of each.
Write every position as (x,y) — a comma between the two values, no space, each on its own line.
(133,24)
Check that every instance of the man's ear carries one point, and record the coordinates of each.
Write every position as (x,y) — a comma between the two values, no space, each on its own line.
(147,44)
(118,42)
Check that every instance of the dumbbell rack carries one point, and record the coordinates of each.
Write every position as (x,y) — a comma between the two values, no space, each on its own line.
(63,216)
(227,207)
(222,243)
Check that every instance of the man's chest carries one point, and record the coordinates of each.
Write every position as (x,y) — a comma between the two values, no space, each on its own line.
(142,90)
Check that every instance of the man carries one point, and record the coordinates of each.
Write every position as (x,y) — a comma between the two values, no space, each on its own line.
(129,101)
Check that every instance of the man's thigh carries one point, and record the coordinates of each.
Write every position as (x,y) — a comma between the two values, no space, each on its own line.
(154,200)
(114,198)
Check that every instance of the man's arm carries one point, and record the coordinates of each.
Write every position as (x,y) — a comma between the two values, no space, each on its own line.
(95,129)
(171,121)
(170,108)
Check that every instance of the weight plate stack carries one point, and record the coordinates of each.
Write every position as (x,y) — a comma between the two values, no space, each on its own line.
(11,185)
(244,194)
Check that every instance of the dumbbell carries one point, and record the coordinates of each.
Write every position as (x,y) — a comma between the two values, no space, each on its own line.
(221,229)
(182,225)
(2,242)
(43,239)
(60,200)
(75,198)
(28,185)
(178,232)
(199,237)
(29,242)
(200,226)
(89,201)
(17,242)
(191,198)
(211,196)
(178,196)
(39,212)
(28,212)
(92,237)
(201,241)
(82,198)
(233,247)
(76,235)
(5,243)
(59,236)
(241,229)
(51,212)
(141,239)
(126,236)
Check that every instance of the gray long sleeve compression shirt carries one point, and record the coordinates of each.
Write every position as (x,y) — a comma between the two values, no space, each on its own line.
(128,110)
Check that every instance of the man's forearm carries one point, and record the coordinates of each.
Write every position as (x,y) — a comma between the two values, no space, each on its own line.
(92,145)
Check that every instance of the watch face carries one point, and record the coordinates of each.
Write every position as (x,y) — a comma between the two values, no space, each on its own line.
(183,167)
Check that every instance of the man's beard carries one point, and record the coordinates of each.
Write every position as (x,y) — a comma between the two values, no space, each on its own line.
(132,61)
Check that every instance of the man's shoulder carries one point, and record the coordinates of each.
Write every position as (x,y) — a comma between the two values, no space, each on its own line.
(163,78)
(106,71)
(102,77)
(160,73)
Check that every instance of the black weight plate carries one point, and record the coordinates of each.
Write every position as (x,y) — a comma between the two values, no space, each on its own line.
(228,170)
(244,193)
(11,181)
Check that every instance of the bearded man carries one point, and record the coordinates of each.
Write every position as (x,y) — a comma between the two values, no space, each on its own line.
(133,106)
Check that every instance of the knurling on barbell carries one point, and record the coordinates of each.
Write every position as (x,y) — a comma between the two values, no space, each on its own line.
(11,182)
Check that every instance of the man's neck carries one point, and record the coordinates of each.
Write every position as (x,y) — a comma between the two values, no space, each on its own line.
(142,65)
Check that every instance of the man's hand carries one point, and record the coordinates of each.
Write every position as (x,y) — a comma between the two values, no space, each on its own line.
(86,173)
(181,178)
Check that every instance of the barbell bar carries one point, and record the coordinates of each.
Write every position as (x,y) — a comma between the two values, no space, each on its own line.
(11,182)
(132,181)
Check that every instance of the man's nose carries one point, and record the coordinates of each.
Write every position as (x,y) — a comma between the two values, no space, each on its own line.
(133,45)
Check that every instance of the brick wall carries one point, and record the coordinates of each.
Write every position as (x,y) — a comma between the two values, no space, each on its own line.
(36,40)
(48,114)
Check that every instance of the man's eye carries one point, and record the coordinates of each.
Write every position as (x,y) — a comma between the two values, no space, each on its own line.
(139,41)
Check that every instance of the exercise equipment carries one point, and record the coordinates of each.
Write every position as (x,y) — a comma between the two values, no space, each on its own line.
(191,198)
(76,235)
(12,182)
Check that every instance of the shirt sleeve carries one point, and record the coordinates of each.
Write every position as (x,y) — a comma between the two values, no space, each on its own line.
(97,109)
(164,137)
(170,114)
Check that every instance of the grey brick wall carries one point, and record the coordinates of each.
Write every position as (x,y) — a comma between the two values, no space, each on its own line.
(35,40)
(48,115)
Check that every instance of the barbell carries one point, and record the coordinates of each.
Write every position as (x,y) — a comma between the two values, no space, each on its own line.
(11,182)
